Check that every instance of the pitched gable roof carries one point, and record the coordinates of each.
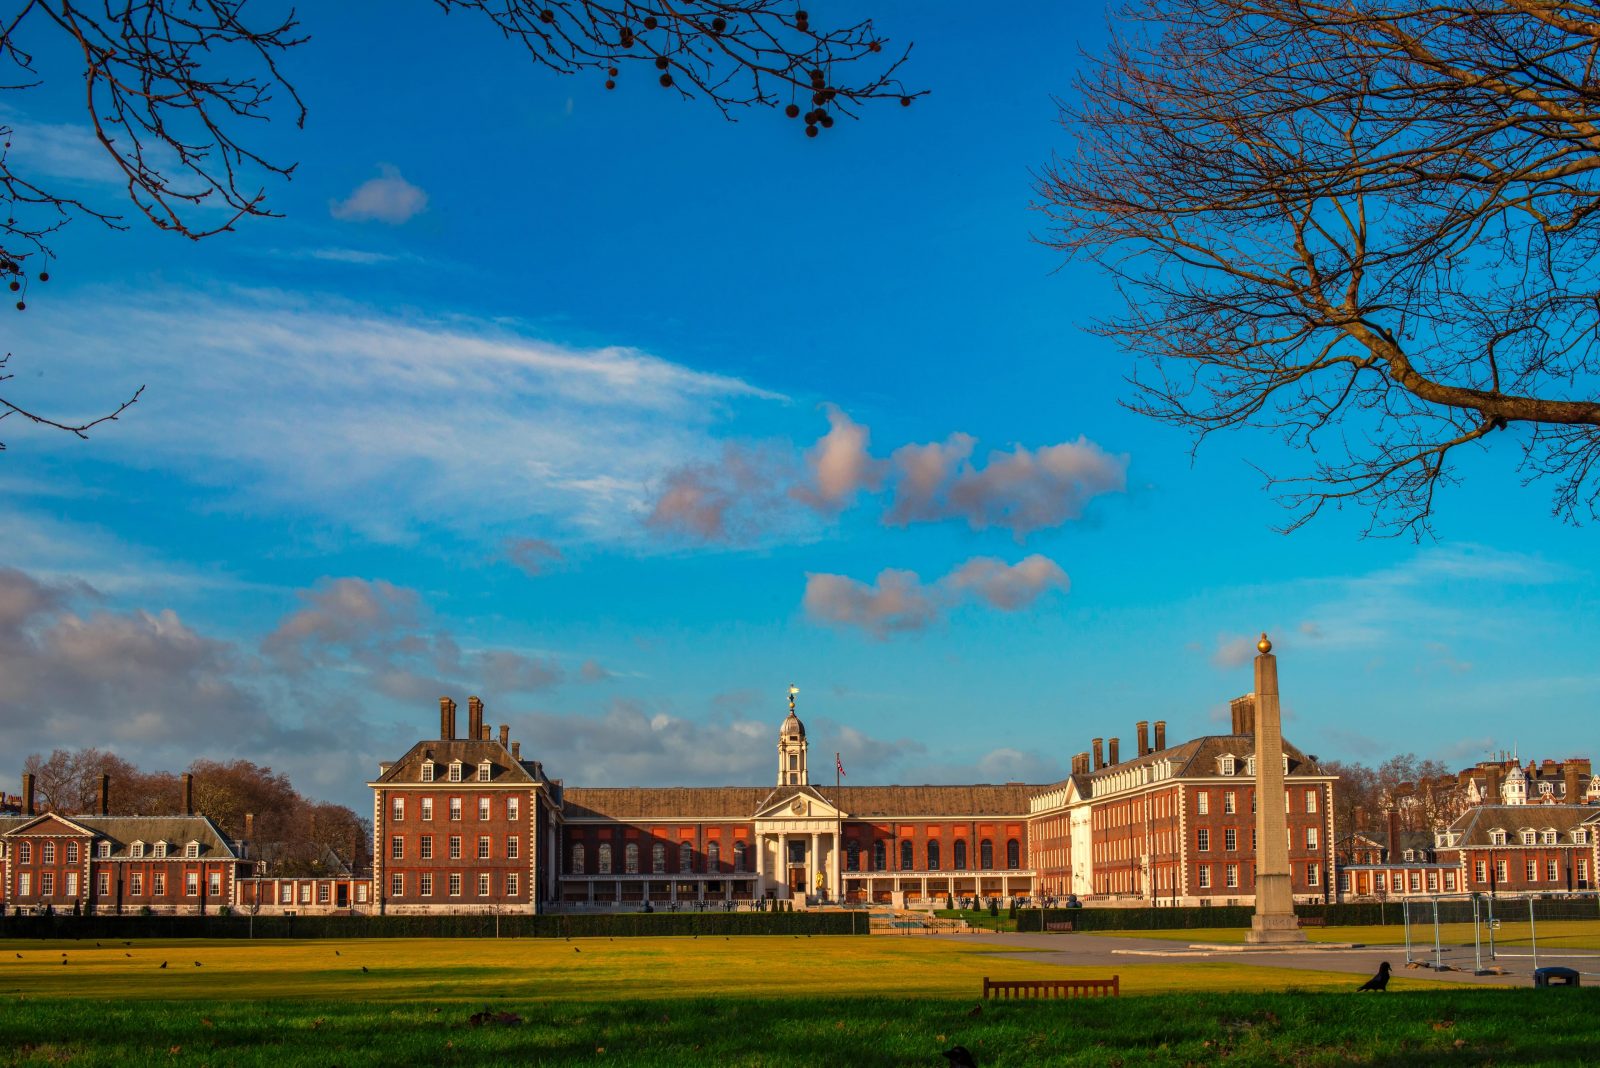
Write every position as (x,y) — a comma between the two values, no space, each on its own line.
(504,768)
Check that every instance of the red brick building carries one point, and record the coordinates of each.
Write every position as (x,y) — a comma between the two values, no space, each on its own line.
(1545,848)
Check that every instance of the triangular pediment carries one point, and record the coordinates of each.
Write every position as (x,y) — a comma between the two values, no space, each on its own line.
(798,803)
(50,825)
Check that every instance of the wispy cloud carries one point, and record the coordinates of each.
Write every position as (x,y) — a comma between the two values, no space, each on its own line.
(388,198)
(384,422)
(898,601)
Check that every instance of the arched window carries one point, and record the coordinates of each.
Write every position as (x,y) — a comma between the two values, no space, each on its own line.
(880,860)
(577,859)
(604,857)
(630,859)
(933,856)
(1013,854)
(713,857)
(986,855)
(906,860)
(852,856)
(960,851)
(658,859)
(738,856)
(686,856)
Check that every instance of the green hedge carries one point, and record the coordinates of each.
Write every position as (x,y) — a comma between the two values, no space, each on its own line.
(1351,914)
(457,926)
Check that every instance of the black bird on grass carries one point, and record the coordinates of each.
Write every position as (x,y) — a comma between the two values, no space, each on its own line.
(959,1057)
(363,969)
(197,964)
(163,964)
(1377,982)
(336,953)
(63,960)
(575,949)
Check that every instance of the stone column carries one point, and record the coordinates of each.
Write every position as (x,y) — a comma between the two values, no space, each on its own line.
(783,864)
(813,864)
(760,845)
(1274,920)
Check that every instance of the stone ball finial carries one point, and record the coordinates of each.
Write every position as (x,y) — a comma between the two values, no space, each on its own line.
(1264,644)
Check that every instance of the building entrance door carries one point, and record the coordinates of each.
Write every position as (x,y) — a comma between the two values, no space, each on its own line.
(797,881)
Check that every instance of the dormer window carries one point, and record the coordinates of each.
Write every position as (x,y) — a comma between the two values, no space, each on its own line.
(192,850)
(427,771)
(1250,767)
(1497,837)
(1411,854)
(485,769)
(161,850)
(1226,765)
(1528,836)
(455,771)
(102,849)
(137,851)
(1580,837)
(1549,836)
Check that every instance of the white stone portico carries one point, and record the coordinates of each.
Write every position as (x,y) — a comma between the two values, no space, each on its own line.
(797,845)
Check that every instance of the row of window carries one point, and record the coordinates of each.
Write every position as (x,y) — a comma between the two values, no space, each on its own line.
(102,850)
(397,809)
(424,884)
(1230,875)
(1527,836)
(658,858)
(136,884)
(1552,871)
(454,771)
(1202,801)
(1230,839)
(397,847)
(933,855)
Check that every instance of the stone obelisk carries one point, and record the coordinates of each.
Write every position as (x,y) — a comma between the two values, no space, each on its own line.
(1274,921)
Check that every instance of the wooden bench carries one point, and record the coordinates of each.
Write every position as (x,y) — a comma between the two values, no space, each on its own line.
(1052,988)
(1313,921)
(1058,925)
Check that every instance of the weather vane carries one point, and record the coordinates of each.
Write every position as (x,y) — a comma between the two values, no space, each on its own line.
(793,689)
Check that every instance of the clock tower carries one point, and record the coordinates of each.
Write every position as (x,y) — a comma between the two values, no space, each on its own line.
(792,746)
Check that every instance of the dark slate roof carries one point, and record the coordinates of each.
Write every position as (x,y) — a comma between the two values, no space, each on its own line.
(123,831)
(1197,758)
(743,802)
(471,753)
(1475,825)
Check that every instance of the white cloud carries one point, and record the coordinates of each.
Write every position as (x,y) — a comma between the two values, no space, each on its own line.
(1233,651)
(734,499)
(899,602)
(388,198)
(386,423)
(840,465)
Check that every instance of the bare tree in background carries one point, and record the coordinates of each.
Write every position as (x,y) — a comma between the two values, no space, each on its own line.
(1368,226)
(171,88)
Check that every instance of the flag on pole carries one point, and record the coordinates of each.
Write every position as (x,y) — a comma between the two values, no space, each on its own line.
(838,763)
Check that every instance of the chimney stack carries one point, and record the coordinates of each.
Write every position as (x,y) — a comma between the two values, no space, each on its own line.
(188,794)
(474,719)
(1111,757)
(447,719)
(1142,730)
(27,795)
(249,826)
(505,735)
(1099,754)
(1394,834)
(105,794)
(1492,788)
(1161,734)
(516,750)
(1244,714)
(1569,778)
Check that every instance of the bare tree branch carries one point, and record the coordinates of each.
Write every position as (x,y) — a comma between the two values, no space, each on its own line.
(1369,228)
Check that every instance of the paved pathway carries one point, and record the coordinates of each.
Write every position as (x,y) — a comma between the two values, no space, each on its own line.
(1106,951)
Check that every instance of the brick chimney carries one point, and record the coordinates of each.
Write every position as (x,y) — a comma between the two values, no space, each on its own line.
(188,794)
(1394,834)
(1111,756)
(1142,730)
(474,719)
(505,735)
(1161,734)
(447,719)
(1244,714)
(27,795)
(1492,787)
(1569,779)
(105,794)
(249,826)
(1099,754)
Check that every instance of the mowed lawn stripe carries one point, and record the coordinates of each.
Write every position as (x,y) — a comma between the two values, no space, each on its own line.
(583,969)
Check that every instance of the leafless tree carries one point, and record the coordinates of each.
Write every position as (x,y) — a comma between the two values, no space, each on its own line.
(171,88)
(1368,226)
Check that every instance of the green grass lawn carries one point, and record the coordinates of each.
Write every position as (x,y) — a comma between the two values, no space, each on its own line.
(1553,934)
(796,1027)
(768,1001)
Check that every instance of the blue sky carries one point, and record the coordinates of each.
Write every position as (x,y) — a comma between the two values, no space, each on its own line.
(590,403)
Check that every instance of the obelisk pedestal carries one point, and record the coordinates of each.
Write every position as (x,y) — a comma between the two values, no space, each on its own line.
(1274,921)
